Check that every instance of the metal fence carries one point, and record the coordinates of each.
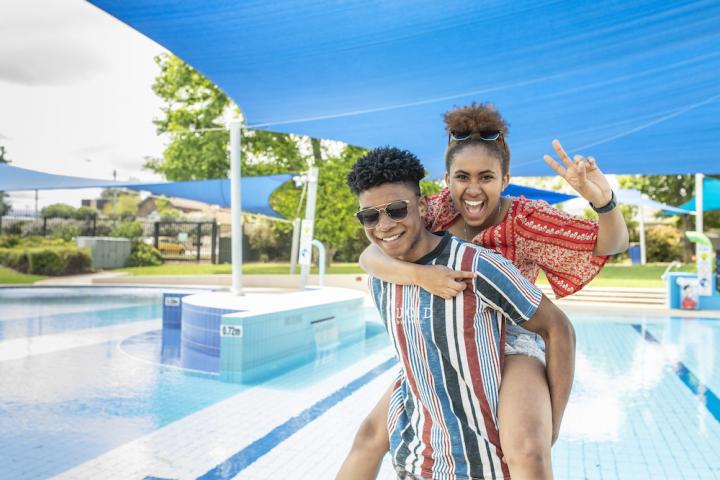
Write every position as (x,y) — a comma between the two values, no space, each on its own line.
(186,241)
(28,223)
(181,241)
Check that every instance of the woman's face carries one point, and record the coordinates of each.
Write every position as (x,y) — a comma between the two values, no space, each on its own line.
(475,181)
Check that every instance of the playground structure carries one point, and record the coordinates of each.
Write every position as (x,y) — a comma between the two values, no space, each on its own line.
(696,291)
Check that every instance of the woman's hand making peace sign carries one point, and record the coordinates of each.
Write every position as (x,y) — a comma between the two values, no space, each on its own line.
(583,174)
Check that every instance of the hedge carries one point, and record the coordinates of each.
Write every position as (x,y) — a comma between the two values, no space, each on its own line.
(46,260)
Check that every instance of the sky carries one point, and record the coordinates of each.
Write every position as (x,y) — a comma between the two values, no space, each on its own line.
(75,95)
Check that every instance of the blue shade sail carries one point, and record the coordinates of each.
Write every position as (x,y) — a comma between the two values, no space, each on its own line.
(16,179)
(636,84)
(536,194)
(711,196)
(255,191)
(631,196)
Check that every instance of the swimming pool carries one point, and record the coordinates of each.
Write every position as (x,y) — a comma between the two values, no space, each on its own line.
(84,393)
(98,379)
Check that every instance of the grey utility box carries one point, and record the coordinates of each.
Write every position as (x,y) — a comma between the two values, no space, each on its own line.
(106,252)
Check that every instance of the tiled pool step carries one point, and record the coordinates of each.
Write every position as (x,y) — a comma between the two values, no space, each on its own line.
(655,297)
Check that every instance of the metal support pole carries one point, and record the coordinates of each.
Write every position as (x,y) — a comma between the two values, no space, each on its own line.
(310,220)
(198,234)
(643,249)
(156,235)
(699,177)
(294,247)
(213,243)
(236,207)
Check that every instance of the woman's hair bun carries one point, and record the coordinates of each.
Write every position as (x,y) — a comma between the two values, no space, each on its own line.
(476,117)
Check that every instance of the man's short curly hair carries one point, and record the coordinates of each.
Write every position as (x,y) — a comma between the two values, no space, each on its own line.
(385,165)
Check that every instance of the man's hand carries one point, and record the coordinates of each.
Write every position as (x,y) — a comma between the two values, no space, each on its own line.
(442,281)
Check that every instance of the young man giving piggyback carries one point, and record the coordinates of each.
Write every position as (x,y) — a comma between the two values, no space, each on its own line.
(442,419)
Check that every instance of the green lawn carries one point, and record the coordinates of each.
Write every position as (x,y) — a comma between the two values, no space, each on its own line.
(8,276)
(248,269)
(637,276)
(631,276)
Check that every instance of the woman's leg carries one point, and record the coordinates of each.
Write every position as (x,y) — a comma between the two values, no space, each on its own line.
(525,418)
(370,444)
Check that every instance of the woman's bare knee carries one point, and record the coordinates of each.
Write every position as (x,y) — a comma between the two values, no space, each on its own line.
(529,452)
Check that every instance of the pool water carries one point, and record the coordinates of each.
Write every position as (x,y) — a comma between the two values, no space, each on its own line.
(84,373)
(28,312)
(644,401)
(64,407)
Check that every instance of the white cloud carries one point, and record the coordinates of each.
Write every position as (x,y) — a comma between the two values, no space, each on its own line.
(75,94)
(42,61)
(46,43)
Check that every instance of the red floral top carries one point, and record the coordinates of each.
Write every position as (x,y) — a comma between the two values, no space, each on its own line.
(533,236)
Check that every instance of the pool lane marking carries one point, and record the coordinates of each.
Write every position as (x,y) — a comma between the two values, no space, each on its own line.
(248,455)
(702,392)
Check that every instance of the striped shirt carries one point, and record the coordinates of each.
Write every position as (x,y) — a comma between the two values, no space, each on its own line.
(443,410)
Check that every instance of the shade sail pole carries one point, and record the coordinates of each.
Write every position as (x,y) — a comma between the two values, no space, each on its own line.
(643,251)
(236,207)
(699,178)
(308,227)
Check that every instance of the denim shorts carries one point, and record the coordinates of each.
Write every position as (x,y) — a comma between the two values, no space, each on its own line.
(519,341)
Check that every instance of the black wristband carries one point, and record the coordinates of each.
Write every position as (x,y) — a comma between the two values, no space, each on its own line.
(606,208)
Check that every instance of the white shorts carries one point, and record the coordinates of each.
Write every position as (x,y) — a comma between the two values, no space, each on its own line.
(519,341)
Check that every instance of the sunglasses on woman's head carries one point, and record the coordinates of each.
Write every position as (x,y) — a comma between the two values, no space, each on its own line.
(486,135)
(397,210)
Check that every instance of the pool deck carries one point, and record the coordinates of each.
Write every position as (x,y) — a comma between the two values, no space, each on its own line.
(614,299)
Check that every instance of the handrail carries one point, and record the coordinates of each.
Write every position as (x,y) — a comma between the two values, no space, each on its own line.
(674,263)
(321,261)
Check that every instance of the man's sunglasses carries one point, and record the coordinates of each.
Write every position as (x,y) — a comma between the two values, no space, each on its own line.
(397,210)
(487,136)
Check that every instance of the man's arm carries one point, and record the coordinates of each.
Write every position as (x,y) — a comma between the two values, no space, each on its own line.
(553,325)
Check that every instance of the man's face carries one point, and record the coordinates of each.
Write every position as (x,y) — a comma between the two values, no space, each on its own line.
(397,238)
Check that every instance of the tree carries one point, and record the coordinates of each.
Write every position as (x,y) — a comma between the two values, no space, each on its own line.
(192,104)
(336,204)
(669,189)
(4,202)
(672,190)
(85,213)
(193,119)
(58,210)
(123,204)
(166,210)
